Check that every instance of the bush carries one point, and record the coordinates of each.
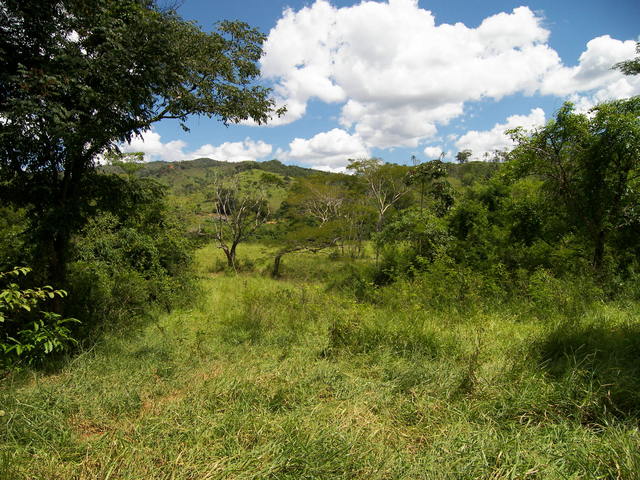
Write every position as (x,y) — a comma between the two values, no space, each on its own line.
(122,267)
(28,335)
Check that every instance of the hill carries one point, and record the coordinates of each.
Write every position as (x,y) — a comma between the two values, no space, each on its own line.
(187,171)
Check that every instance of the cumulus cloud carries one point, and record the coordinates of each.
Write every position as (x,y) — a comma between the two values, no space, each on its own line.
(396,72)
(593,70)
(234,151)
(326,151)
(593,80)
(154,148)
(326,168)
(481,142)
(398,75)
(433,152)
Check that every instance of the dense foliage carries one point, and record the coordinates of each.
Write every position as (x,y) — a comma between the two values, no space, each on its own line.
(78,79)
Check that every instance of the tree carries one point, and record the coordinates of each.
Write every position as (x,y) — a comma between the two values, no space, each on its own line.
(499,156)
(431,176)
(240,211)
(590,165)
(385,181)
(313,215)
(306,238)
(81,76)
(318,198)
(463,156)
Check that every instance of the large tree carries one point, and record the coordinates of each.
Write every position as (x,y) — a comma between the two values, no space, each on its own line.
(81,76)
(590,167)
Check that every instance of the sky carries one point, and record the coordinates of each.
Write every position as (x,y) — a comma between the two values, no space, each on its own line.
(400,78)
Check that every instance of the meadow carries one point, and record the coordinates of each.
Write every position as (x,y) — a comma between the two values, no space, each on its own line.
(301,378)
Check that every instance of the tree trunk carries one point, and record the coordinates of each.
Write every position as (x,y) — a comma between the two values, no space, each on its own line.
(379,222)
(598,251)
(275,273)
(231,255)
(57,271)
(231,258)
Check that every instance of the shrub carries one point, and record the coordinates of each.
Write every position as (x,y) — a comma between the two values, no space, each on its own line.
(121,267)
(28,335)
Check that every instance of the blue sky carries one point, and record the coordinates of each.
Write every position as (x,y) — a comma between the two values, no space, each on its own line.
(395,78)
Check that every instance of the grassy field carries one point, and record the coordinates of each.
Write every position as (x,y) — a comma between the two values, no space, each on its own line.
(289,379)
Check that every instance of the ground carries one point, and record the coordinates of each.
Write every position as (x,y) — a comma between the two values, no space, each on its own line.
(291,379)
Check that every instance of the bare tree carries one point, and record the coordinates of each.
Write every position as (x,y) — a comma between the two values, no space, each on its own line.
(385,181)
(319,199)
(240,211)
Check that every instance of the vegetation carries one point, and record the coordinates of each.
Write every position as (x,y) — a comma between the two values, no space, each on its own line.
(63,103)
(205,319)
(34,338)
(238,214)
(286,379)
(589,167)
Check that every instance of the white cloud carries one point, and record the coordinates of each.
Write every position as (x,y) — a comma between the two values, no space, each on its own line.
(620,88)
(326,168)
(326,151)
(593,70)
(481,142)
(433,152)
(593,80)
(399,75)
(154,148)
(234,151)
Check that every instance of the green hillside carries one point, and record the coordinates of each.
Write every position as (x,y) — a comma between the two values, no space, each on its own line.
(184,173)
(190,182)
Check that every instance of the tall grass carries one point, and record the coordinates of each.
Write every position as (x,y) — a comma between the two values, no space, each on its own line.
(291,380)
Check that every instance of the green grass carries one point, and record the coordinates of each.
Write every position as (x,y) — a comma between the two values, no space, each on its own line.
(291,380)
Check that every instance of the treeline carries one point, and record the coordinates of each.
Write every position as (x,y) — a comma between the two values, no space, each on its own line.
(564,203)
